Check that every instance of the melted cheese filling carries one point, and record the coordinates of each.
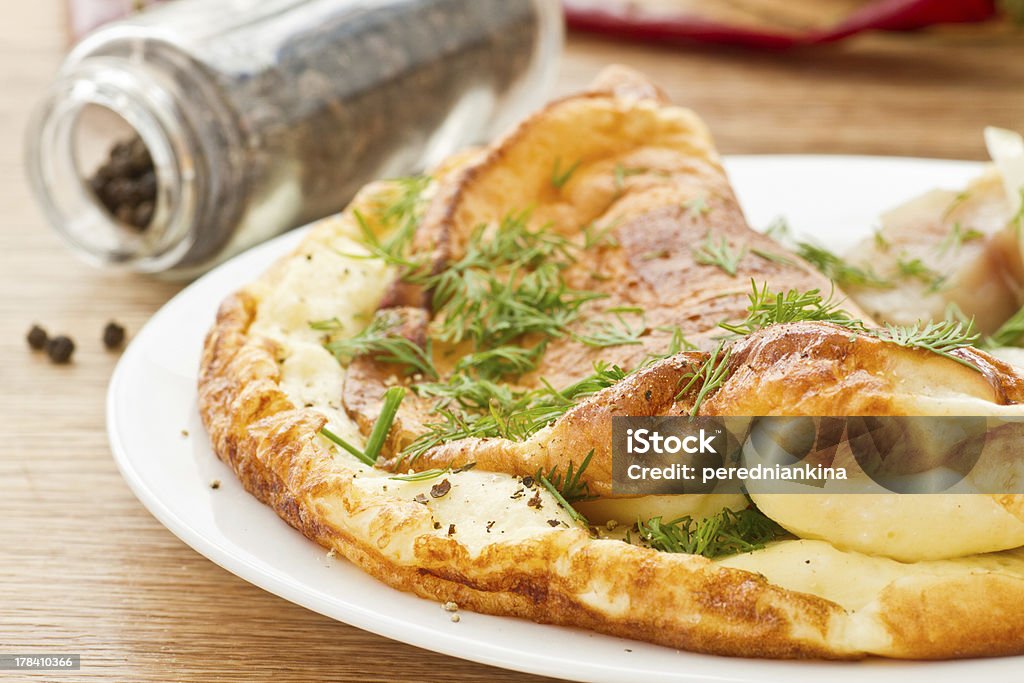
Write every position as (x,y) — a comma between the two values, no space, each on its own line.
(852,579)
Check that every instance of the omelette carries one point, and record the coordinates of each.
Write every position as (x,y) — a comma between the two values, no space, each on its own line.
(427,386)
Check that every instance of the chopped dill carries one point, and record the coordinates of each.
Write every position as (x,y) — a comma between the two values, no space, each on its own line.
(779,229)
(698,206)
(424,475)
(594,236)
(569,485)
(711,375)
(506,285)
(711,253)
(380,339)
(427,475)
(957,237)
(838,269)
(617,332)
(560,176)
(399,219)
(916,269)
(771,308)
(881,243)
(1009,333)
(941,338)
(727,533)
(568,489)
(621,173)
(957,202)
(471,408)
(773,258)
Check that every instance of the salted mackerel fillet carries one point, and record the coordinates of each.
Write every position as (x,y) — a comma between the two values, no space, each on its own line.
(649,178)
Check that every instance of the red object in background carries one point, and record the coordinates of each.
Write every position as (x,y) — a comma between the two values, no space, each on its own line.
(747,24)
(757,23)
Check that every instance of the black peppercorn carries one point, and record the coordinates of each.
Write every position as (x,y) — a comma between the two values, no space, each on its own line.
(113,335)
(60,348)
(37,338)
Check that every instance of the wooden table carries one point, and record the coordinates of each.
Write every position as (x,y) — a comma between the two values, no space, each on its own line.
(84,568)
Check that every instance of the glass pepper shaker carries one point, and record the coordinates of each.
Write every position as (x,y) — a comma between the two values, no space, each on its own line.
(197,128)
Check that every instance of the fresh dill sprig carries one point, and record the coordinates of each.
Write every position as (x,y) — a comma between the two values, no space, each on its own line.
(941,338)
(881,242)
(469,393)
(772,308)
(711,375)
(402,216)
(604,333)
(424,475)
(473,408)
(678,342)
(569,486)
(727,533)
(698,206)
(568,489)
(779,230)
(576,515)
(711,253)
(427,475)
(958,200)
(398,219)
(916,269)
(1009,333)
(838,269)
(379,339)
(507,284)
(375,442)
(957,237)
(773,258)
(622,172)
(560,176)
(594,236)
(392,254)
(501,361)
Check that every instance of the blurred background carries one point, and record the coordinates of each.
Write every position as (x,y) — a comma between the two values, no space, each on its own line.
(86,569)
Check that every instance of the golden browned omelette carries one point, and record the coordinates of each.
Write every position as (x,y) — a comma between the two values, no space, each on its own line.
(427,385)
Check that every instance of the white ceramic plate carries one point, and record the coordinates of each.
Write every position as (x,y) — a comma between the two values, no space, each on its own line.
(152,398)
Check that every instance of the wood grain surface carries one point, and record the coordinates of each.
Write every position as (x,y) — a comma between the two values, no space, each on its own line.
(84,568)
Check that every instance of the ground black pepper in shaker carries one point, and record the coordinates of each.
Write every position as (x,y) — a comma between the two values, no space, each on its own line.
(239,119)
